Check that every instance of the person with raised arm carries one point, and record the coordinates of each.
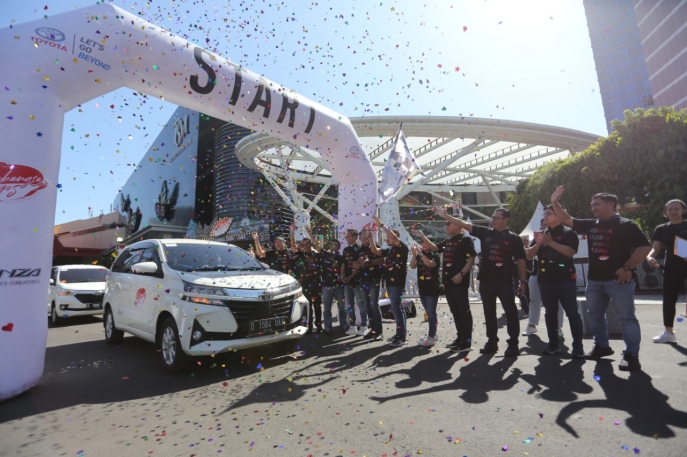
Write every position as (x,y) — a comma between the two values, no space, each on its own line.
(458,257)
(278,258)
(350,270)
(332,287)
(554,249)
(675,268)
(427,263)
(500,248)
(307,269)
(394,273)
(616,246)
(370,274)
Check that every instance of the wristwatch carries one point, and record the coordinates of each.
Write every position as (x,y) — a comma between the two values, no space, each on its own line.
(627,268)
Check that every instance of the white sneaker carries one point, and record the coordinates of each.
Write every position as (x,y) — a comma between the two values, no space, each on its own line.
(362,331)
(530,330)
(665,337)
(351,330)
(427,341)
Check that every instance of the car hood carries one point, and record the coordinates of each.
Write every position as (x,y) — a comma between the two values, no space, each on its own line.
(249,280)
(85,286)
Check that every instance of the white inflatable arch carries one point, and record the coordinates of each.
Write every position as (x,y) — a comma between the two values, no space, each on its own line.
(49,67)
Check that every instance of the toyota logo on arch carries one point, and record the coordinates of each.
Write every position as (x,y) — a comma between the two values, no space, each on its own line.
(50,34)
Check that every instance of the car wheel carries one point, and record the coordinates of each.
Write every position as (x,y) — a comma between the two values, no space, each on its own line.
(173,356)
(112,335)
(54,318)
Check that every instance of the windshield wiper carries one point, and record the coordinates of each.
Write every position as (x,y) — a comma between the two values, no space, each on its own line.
(216,268)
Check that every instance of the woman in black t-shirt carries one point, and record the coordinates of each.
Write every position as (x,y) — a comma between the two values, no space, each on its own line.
(427,264)
(675,269)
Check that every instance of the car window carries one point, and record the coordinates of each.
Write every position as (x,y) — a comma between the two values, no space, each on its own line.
(149,255)
(133,258)
(74,275)
(208,257)
(119,262)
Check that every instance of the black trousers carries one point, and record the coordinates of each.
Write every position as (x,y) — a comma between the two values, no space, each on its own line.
(506,294)
(459,304)
(673,281)
(313,292)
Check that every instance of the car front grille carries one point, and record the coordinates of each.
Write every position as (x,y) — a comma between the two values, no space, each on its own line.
(246,311)
(89,298)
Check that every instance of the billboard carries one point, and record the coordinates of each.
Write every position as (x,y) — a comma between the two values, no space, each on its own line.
(162,188)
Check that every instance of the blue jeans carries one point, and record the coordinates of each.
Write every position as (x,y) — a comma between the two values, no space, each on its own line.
(395,293)
(430,305)
(355,298)
(598,295)
(328,296)
(506,294)
(565,293)
(371,298)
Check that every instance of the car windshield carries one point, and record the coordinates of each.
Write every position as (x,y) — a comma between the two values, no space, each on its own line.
(209,257)
(83,275)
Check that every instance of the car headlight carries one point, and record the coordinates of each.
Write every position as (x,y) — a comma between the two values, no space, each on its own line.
(204,290)
(65,293)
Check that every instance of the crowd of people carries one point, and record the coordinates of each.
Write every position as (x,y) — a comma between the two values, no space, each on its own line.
(541,270)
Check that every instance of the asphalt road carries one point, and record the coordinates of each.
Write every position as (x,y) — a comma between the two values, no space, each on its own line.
(340,396)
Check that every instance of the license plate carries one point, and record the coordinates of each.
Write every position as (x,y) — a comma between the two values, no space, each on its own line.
(272,325)
(95,306)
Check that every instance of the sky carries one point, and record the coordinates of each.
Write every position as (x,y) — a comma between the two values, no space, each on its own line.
(524,60)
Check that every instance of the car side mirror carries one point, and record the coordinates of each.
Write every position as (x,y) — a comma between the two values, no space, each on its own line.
(265,266)
(52,282)
(145,267)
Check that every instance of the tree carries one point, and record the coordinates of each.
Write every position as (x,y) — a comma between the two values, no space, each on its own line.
(643,161)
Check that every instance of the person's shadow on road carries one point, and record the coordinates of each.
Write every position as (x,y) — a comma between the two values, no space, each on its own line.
(648,408)
(477,378)
(554,381)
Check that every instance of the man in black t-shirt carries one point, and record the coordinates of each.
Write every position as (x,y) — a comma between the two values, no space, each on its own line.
(616,246)
(370,275)
(350,271)
(394,272)
(307,270)
(554,249)
(500,248)
(278,258)
(458,257)
(332,287)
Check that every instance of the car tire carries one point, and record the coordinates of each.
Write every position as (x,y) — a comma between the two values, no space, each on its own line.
(112,335)
(174,359)
(54,319)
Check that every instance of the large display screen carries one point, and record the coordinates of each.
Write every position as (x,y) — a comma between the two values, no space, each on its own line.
(162,188)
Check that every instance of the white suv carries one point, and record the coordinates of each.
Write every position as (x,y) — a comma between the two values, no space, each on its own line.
(194,298)
(75,290)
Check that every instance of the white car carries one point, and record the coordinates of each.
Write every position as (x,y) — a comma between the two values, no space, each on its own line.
(195,298)
(75,290)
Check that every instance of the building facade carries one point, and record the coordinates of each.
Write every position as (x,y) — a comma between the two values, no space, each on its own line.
(640,52)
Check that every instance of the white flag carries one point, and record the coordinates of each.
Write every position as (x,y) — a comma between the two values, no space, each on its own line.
(399,168)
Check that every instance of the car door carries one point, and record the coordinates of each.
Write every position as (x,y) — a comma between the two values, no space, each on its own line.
(121,292)
(148,288)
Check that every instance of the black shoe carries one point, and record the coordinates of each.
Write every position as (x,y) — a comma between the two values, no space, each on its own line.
(453,344)
(462,347)
(512,351)
(489,348)
(318,329)
(630,363)
(327,331)
(552,350)
(370,335)
(597,352)
(398,341)
(378,337)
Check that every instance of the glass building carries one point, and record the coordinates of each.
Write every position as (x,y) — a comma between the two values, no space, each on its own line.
(619,58)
